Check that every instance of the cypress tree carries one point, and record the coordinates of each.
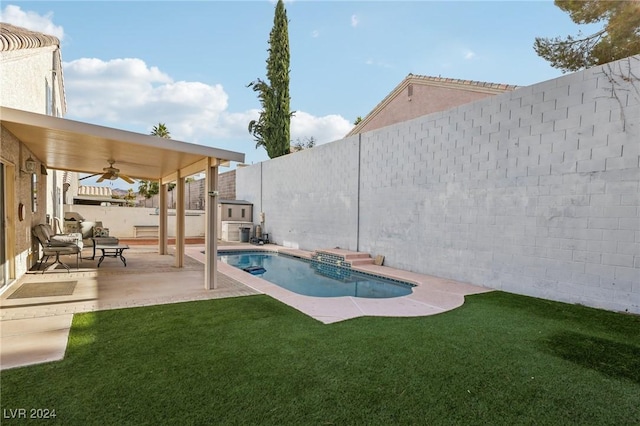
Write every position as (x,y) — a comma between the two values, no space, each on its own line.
(272,129)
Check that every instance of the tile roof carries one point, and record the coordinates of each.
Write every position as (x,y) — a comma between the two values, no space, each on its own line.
(462,83)
(96,191)
(16,38)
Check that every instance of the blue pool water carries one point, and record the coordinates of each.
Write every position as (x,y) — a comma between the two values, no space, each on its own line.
(311,278)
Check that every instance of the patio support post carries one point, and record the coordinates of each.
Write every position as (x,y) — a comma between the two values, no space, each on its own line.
(162,225)
(211,227)
(180,213)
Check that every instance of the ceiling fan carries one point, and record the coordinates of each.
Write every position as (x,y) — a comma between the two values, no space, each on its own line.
(110,173)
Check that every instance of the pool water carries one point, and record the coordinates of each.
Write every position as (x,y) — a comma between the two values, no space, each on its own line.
(311,278)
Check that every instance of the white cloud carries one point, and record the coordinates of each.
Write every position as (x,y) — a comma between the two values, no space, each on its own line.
(14,15)
(323,129)
(354,21)
(379,64)
(315,33)
(469,54)
(129,94)
(126,93)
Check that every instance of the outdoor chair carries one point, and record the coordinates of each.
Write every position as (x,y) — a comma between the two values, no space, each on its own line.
(56,245)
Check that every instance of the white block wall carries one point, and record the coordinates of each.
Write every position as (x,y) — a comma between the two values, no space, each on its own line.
(309,196)
(534,191)
(122,221)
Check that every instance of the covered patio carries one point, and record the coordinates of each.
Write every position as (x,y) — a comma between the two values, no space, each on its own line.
(36,312)
(67,145)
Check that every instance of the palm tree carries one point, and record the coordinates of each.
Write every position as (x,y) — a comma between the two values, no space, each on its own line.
(147,188)
(130,197)
(161,131)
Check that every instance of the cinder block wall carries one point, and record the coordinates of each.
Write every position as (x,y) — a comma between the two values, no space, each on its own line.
(309,197)
(226,185)
(534,191)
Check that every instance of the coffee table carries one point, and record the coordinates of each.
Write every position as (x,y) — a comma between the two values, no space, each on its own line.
(104,241)
(112,250)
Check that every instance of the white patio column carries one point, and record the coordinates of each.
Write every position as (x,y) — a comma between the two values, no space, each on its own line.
(180,213)
(211,228)
(162,225)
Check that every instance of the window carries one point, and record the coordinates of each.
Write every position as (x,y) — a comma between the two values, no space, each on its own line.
(229,212)
(34,192)
(242,213)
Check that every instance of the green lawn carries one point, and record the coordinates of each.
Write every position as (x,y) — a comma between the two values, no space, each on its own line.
(499,359)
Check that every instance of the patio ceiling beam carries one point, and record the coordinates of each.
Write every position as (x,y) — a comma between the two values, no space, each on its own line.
(192,169)
(169,178)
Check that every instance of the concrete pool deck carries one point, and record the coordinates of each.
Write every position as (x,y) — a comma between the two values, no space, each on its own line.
(36,330)
(431,295)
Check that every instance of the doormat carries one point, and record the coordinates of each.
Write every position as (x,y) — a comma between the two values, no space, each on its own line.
(58,288)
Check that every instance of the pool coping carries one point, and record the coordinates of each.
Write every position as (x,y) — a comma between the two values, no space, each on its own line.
(431,295)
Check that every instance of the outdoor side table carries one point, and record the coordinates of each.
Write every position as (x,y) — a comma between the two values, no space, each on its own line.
(112,250)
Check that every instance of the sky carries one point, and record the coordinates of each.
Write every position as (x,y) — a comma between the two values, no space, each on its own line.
(133,64)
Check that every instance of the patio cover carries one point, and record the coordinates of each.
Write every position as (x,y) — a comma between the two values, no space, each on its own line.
(63,144)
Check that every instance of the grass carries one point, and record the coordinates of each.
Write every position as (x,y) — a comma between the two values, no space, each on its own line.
(499,359)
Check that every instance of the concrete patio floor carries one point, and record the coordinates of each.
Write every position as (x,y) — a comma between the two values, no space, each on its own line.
(35,330)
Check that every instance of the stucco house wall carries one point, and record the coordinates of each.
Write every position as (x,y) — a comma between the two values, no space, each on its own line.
(534,191)
(27,81)
(30,79)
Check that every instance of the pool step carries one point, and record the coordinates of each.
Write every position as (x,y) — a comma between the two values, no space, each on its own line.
(340,257)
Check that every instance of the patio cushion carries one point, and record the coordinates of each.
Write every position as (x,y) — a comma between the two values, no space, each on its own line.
(45,236)
(99,231)
(67,239)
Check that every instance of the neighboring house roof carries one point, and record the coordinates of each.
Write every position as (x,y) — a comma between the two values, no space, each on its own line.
(98,194)
(16,38)
(237,202)
(95,191)
(428,94)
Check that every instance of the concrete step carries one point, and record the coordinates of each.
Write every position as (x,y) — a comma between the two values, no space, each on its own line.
(355,262)
(351,257)
(356,256)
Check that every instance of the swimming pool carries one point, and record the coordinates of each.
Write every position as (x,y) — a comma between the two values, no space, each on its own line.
(311,278)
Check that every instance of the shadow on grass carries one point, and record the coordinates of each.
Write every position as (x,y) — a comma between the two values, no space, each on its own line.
(603,355)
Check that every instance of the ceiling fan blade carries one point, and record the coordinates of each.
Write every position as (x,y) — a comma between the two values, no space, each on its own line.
(126,179)
(103,177)
(87,177)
